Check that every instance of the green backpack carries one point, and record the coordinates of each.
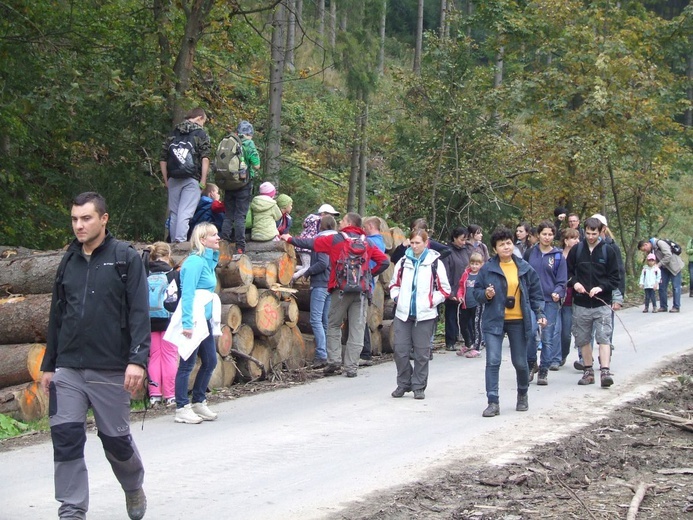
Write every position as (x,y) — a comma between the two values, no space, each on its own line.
(231,173)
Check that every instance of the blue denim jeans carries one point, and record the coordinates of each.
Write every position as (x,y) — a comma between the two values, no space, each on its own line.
(675,280)
(550,348)
(518,354)
(208,356)
(566,327)
(319,309)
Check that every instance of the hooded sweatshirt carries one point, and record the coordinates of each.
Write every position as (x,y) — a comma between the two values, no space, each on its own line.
(265,213)
(197,137)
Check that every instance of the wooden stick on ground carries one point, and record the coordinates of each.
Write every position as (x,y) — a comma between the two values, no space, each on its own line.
(679,422)
(637,499)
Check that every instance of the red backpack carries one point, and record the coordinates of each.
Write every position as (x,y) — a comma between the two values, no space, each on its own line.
(352,270)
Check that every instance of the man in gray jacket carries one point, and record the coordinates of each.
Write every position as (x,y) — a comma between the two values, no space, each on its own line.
(96,354)
(671,265)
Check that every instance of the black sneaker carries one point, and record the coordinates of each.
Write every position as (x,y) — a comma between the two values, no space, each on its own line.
(136,504)
(332,368)
(522,403)
(419,394)
(318,363)
(400,391)
(351,373)
(492,410)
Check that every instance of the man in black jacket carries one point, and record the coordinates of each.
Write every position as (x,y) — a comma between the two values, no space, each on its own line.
(593,275)
(96,355)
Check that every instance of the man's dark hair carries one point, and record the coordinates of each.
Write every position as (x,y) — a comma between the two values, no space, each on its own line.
(327,222)
(459,230)
(91,196)
(353,218)
(195,113)
(593,224)
(574,215)
(501,234)
(642,243)
(545,224)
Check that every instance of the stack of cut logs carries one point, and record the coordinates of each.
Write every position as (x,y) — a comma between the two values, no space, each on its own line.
(265,319)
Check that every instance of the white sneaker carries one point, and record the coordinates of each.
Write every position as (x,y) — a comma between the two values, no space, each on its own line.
(187,415)
(154,401)
(204,412)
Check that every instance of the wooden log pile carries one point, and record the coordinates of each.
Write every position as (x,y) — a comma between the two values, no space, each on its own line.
(265,324)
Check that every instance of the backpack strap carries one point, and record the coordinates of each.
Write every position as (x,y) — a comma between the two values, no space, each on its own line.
(121,265)
(60,274)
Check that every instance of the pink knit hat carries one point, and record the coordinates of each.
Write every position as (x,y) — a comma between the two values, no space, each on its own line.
(651,256)
(267,188)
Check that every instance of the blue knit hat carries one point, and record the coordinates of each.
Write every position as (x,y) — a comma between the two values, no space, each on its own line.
(245,128)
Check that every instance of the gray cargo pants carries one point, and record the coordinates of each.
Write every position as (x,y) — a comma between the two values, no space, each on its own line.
(352,306)
(71,393)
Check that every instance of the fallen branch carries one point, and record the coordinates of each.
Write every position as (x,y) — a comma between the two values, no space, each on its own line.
(569,490)
(243,355)
(637,499)
(675,471)
(675,420)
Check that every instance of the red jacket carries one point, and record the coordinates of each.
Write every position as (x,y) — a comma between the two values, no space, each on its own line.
(332,245)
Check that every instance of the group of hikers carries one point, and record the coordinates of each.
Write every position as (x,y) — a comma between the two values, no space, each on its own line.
(114,316)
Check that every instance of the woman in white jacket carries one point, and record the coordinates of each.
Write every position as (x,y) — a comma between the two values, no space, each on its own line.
(420,284)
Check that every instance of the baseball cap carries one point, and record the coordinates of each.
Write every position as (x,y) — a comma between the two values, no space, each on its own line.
(651,256)
(601,218)
(327,208)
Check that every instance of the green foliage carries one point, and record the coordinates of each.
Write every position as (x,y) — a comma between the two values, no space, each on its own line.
(10,427)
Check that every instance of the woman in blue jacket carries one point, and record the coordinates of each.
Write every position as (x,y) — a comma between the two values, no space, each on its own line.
(197,274)
(511,292)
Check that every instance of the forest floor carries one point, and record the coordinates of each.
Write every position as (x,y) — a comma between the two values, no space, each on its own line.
(594,474)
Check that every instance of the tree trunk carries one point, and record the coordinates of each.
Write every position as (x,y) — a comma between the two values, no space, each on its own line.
(25,403)
(419,38)
(236,274)
(353,173)
(243,339)
(363,160)
(245,296)
(443,18)
(469,12)
(309,347)
(260,367)
(231,316)
(381,51)
(267,317)
(225,341)
(688,117)
(229,370)
(321,20)
(264,274)
(333,23)
(29,274)
(286,266)
(290,36)
(277,246)
(20,363)
(387,334)
(290,307)
(297,359)
(276,86)
(24,319)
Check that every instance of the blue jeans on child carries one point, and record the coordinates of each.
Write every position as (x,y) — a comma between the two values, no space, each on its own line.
(208,355)
(518,354)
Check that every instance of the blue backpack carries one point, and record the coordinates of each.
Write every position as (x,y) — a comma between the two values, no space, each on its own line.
(158,284)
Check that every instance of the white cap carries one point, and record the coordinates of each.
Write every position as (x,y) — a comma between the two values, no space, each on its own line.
(601,218)
(326,208)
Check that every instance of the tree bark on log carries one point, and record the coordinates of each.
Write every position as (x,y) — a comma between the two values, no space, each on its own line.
(29,274)
(217,380)
(389,309)
(229,370)
(286,265)
(225,341)
(290,312)
(236,273)
(309,350)
(376,342)
(267,317)
(374,318)
(264,274)
(243,340)
(245,296)
(231,316)
(387,334)
(281,340)
(302,298)
(297,359)
(20,363)
(27,402)
(303,323)
(24,319)
(255,366)
(280,246)
(7,252)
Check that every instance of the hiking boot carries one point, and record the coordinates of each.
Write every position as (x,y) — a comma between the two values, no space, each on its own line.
(187,416)
(675,309)
(419,394)
(365,362)
(450,348)
(543,378)
(492,410)
(400,391)
(136,504)
(533,369)
(587,377)
(563,360)
(319,363)
(351,373)
(645,310)
(522,403)
(662,309)
(332,368)
(554,367)
(577,365)
(205,413)
(607,378)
